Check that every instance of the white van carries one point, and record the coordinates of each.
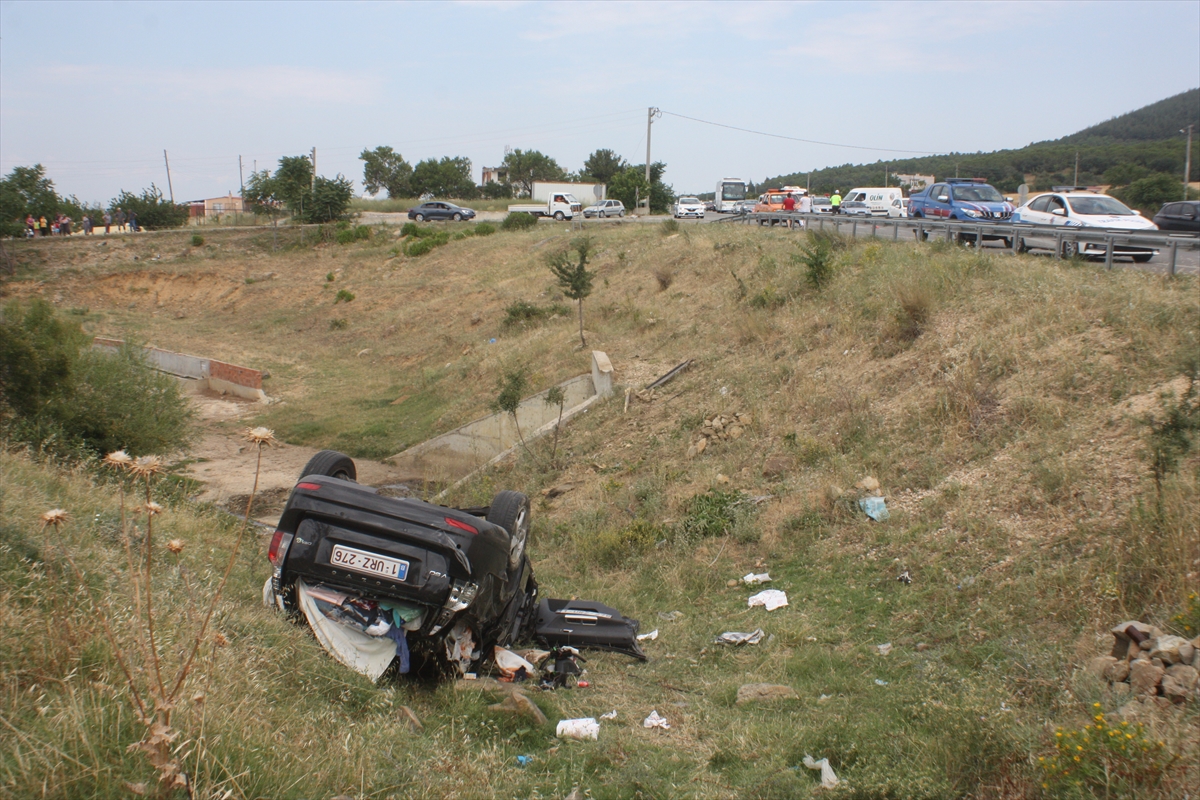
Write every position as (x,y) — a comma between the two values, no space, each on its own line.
(887,202)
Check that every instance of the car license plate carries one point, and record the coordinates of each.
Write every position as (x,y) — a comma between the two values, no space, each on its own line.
(368,563)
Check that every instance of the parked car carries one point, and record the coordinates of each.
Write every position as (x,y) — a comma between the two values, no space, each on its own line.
(1183,216)
(605,208)
(856,208)
(440,209)
(1080,209)
(822,205)
(744,206)
(688,207)
(458,579)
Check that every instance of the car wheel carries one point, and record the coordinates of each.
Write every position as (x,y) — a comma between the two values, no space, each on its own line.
(620,213)
(331,464)
(558,215)
(1069,249)
(1143,258)
(457,217)
(510,510)
(419,217)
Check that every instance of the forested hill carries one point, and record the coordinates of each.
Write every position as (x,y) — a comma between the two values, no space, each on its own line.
(1161,120)
(1143,145)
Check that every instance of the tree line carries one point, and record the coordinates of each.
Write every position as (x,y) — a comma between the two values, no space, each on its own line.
(385,170)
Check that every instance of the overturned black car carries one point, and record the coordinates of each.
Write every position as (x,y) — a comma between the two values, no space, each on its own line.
(446,585)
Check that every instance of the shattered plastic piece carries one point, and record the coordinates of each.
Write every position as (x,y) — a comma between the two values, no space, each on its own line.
(884,649)
(879,682)
(582,728)
(734,637)
(651,636)
(828,779)
(874,507)
(610,715)
(771,599)
(524,760)
(670,616)
(751,578)
(583,684)
(510,664)
(904,578)
(655,721)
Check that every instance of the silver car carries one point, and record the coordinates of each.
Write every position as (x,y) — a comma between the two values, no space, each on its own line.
(605,208)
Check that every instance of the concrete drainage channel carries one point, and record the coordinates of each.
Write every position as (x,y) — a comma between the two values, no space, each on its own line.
(198,374)
(459,454)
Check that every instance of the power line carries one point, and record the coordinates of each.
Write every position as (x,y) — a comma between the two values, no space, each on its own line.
(798,139)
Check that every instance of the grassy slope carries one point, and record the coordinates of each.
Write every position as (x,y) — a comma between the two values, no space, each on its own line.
(1004,435)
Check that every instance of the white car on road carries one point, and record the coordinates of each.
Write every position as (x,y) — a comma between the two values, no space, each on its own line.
(605,208)
(1076,208)
(688,207)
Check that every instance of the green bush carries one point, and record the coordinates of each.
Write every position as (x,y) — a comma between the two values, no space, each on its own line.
(669,226)
(427,240)
(62,397)
(345,237)
(153,212)
(410,229)
(197,240)
(612,548)
(518,221)
(521,312)
(343,295)
(339,324)
(714,513)
(485,229)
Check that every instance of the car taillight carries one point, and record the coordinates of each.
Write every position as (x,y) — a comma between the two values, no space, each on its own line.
(312,487)
(280,542)
(461,525)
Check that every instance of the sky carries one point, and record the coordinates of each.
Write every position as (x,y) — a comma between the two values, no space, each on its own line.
(96,91)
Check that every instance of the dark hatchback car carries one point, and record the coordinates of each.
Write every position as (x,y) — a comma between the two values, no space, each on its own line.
(1182,216)
(440,209)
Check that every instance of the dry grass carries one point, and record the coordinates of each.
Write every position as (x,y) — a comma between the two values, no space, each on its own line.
(998,400)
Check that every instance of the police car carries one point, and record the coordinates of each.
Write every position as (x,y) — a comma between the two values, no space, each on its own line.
(1076,207)
(688,207)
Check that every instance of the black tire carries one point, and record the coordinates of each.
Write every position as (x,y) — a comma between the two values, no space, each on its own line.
(331,464)
(1142,259)
(620,213)
(419,217)
(558,215)
(457,217)
(1069,249)
(510,510)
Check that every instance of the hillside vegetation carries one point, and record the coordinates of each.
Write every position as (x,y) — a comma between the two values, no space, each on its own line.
(1016,412)
(1118,152)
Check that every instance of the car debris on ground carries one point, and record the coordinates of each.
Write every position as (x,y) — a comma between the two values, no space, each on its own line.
(737,638)
(770,599)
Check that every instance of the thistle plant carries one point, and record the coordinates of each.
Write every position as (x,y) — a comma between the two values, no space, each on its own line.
(139,654)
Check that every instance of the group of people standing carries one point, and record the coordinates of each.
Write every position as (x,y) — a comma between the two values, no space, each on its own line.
(61,224)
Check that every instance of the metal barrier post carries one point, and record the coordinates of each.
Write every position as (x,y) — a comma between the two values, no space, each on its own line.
(1108,252)
(1057,246)
(1174,247)
(854,229)
(978,237)
(1013,241)
(895,231)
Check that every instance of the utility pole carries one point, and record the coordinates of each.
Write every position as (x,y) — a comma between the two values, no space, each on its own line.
(241,182)
(169,187)
(1076,181)
(1187,162)
(313,186)
(651,113)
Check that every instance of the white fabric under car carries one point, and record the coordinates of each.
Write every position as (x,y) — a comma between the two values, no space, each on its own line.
(369,655)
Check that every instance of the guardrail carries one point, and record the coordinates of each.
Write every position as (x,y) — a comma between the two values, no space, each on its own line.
(1011,233)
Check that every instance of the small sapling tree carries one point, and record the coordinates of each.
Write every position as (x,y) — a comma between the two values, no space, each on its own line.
(510,389)
(571,272)
(556,397)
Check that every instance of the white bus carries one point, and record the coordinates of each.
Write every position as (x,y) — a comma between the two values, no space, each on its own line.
(729,192)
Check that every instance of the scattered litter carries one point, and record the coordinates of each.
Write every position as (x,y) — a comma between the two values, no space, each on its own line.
(884,649)
(751,579)
(724,391)
(734,637)
(655,721)
(470,676)
(823,698)
(810,638)
(648,637)
(968,581)
(874,507)
(771,599)
(491,341)
(670,616)
(512,667)
(828,779)
(610,715)
(879,682)
(582,684)
(904,577)
(524,760)
(582,728)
